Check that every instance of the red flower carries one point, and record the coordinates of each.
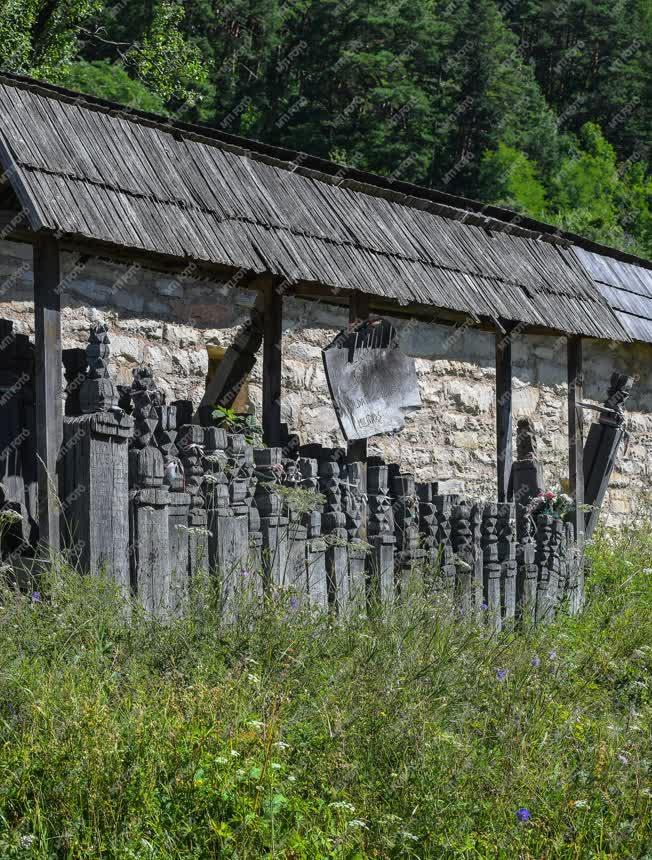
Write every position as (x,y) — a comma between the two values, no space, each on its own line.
(550,495)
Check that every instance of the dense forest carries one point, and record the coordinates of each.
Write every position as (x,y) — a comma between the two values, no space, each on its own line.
(542,106)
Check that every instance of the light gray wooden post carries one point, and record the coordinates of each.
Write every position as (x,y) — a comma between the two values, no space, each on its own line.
(507,557)
(273,522)
(95,469)
(317,577)
(576,463)
(492,566)
(48,384)
(380,562)
(503,415)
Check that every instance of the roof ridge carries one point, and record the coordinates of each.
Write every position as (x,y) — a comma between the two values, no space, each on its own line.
(460,208)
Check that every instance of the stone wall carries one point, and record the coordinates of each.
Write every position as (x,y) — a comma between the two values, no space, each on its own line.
(170,321)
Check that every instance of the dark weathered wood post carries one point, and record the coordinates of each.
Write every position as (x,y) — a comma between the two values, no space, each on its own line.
(272,363)
(48,383)
(576,460)
(575,440)
(503,413)
(356,449)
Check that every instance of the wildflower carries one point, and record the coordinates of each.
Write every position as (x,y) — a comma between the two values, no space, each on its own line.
(275,765)
(342,804)
(523,814)
(244,573)
(549,495)
(282,745)
(580,804)
(501,674)
(221,760)
(27,841)
(235,753)
(407,835)
(552,655)
(536,661)
(36,597)
(484,606)
(622,758)
(356,822)
(294,601)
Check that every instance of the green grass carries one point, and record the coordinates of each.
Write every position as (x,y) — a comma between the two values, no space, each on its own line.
(286,736)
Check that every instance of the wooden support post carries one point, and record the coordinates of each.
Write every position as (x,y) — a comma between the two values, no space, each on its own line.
(575,434)
(356,449)
(48,384)
(503,414)
(272,362)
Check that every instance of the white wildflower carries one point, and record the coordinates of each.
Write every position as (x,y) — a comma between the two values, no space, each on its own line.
(407,835)
(342,804)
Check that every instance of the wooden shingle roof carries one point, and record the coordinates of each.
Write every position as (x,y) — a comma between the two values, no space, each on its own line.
(626,287)
(90,169)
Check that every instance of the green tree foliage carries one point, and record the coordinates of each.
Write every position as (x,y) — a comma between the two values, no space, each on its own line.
(508,177)
(541,105)
(44,38)
(110,81)
(41,37)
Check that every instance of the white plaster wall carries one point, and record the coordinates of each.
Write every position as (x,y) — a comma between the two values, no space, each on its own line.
(168,322)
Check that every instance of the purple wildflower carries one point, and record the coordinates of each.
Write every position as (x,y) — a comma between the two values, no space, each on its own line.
(244,573)
(536,661)
(501,674)
(484,606)
(523,814)
(36,597)
(294,601)
(553,655)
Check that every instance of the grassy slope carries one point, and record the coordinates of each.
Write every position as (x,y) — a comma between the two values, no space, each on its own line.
(292,737)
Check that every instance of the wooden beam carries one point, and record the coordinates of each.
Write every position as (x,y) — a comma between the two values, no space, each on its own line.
(272,363)
(239,359)
(48,384)
(575,433)
(503,414)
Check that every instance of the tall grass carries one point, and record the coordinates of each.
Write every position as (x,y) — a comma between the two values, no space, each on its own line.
(276,734)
